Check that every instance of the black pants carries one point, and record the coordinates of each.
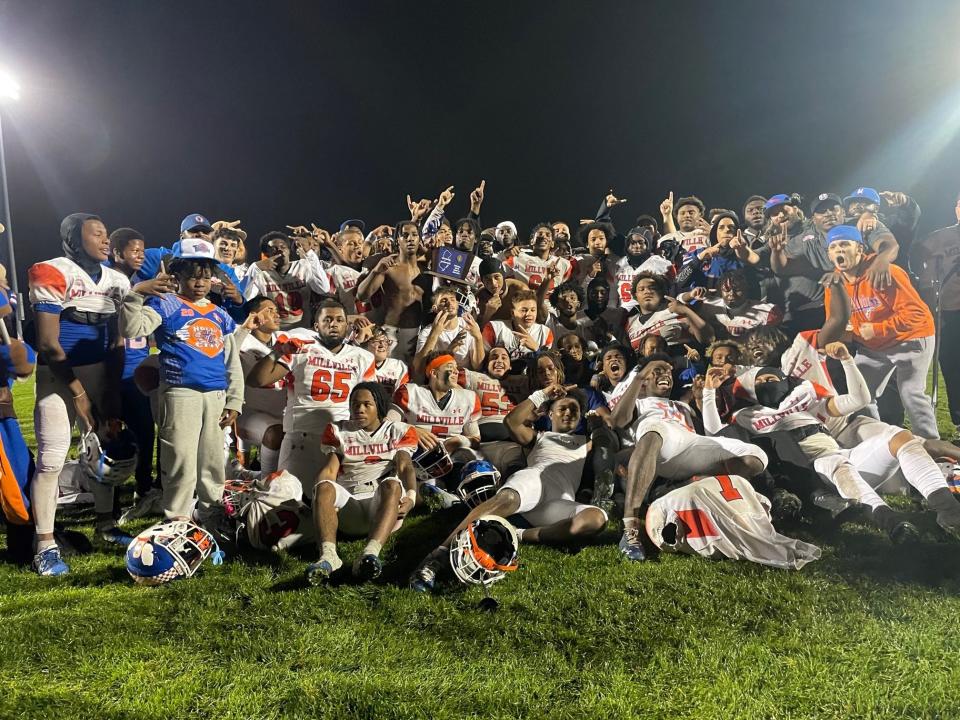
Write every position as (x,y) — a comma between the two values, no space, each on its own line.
(139,418)
(950,359)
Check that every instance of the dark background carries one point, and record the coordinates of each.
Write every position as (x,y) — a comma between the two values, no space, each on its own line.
(280,113)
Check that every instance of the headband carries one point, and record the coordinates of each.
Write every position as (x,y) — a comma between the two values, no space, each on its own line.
(438,361)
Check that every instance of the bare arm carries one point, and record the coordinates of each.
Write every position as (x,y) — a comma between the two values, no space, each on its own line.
(838,310)
(268,370)
(622,414)
(373,281)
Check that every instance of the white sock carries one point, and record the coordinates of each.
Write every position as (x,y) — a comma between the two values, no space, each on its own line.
(919,468)
(43,500)
(45,545)
(328,552)
(520,532)
(372,548)
(852,485)
(268,460)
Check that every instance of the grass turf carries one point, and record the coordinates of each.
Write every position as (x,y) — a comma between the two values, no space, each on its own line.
(869,631)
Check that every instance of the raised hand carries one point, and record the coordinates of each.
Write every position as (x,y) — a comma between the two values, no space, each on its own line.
(867,222)
(386,263)
(476,197)
(894,198)
(446,197)
(612,200)
(666,207)
(159,285)
(837,351)
(717,376)
(298,230)
(693,355)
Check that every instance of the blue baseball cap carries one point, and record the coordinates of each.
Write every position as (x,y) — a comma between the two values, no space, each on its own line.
(863,193)
(193,221)
(359,224)
(843,232)
(774,202)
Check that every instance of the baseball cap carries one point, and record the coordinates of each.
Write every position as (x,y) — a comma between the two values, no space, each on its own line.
(863,193)
(830,199)
(489,266)
(358,224)
(194,221)
(843,232)
(194,249)
(774,202)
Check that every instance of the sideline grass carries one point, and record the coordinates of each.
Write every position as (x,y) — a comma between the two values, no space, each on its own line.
(869,631)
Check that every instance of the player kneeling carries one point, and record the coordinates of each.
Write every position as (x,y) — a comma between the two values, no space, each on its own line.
(722,516)
(367,483)
(543,492)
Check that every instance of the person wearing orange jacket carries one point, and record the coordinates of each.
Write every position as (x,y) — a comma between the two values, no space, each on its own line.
(893,328)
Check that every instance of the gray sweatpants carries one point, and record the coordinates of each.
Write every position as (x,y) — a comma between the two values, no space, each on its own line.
(191,449)
(911,361)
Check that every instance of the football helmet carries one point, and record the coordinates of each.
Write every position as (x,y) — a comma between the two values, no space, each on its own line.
(484,551)
(108,462)
(951,473)
(170,550)
(432,464)
(479,481)
(466,300)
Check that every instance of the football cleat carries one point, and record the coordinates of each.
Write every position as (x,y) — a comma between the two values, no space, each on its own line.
(114,536)
(831,502)
(630,546)
(319,573)
(897,528)
(367,567)
(436,497)
(784,505)
(49,563)
(424,578)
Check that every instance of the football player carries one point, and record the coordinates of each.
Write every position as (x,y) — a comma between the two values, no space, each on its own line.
(367,483)
(543,492)
(320,370)
(523,335)
(661,315)
(391,372)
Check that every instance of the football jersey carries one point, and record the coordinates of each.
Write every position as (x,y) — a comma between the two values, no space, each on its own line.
(724,517)
(420,408)
(190,338)
(344,281)
(320,380)
(498,332)
(367,457)
(805,405)
(463,351)
(290,291)
(532,270)
(60,285)
(494,401)
(689,241)
(270,400)
(624,274)
(668,325)
(392,373)
(560,458)
(754,315)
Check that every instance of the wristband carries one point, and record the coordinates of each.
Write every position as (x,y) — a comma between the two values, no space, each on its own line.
(538,398)
(82,394)
(410,495)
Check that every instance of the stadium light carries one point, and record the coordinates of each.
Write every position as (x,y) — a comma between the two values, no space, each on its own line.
(9,90)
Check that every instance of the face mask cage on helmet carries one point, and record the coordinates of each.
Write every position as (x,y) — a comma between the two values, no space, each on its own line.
(479,481)
(181,545)
(111,463)
(432,464)
(466,301)
(237,494)
(951,473)
(484,551)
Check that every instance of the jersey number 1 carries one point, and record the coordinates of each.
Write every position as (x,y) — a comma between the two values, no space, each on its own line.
(727,491)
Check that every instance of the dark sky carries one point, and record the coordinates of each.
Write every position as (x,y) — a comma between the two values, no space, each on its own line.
(281,113)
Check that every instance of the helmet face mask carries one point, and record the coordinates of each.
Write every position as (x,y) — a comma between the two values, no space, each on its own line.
(169,551)
(432,464)
(111,462)
(484,551)
(479,481)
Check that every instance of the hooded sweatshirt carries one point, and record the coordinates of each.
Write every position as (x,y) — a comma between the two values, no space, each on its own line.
(71,237)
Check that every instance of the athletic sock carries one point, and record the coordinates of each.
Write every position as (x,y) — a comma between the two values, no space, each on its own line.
(269,458)
(45,545)
(919,468)
(328,552)
(372,548)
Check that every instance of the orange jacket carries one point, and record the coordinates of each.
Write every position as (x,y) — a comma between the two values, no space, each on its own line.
(894,314)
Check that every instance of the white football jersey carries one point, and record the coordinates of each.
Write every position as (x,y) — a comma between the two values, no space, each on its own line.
(344,281)
(367,457)
(624,275)
(392,373)
(494,401)
(755,315)
(269,400)
(672,411)
(670,326)
(63,283)
(320,381)
(805,405)
(724,517)
(498,332)
(463,351)
(458,417)
(560,458)
(695,240)
(291,290)
(532,270)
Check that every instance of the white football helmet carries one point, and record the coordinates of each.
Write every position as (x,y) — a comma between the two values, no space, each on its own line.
(110,462)
(484,551)
(170,550)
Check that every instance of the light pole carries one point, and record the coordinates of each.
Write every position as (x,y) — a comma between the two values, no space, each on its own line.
(9,90)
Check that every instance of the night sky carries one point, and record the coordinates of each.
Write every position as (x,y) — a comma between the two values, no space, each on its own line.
(280,113)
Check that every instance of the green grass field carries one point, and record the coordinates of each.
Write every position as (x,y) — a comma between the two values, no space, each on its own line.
(869,631)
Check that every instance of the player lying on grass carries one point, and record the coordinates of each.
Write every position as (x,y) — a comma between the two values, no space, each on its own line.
(367,484)
(543,492)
